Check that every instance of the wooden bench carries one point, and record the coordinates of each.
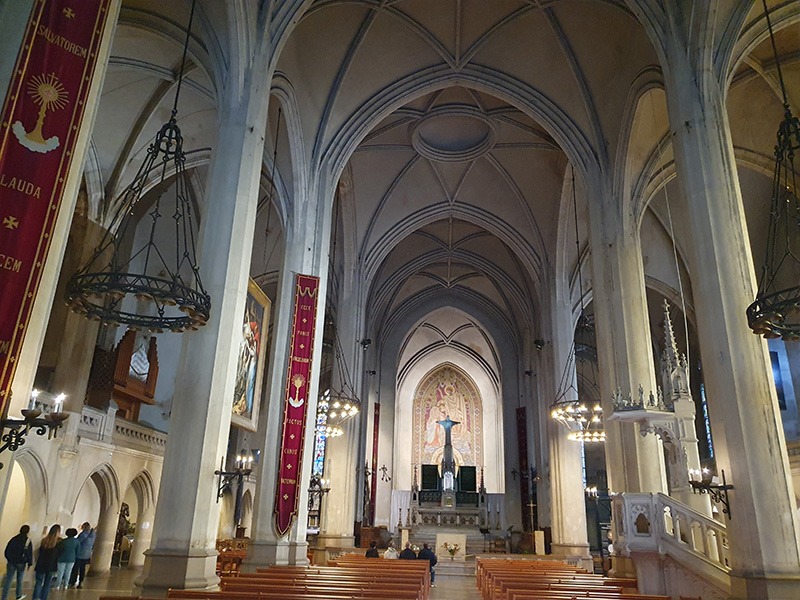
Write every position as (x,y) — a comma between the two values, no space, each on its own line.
(515,579)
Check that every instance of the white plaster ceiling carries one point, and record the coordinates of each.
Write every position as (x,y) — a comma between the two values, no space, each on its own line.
(454,181)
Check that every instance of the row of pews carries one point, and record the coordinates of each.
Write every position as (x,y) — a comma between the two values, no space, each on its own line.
(518,579)
(353,578)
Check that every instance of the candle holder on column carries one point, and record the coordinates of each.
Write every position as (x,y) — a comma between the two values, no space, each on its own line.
(706,484)
(225,479)
(15,431)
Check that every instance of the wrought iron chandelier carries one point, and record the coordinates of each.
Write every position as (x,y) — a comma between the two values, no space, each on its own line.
(339,405)
(776,310)
(131,280)
(583,420)
(336,406)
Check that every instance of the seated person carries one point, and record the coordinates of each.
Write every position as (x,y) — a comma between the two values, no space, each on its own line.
(373,550)
(408,553)
(427,554)
(391,553)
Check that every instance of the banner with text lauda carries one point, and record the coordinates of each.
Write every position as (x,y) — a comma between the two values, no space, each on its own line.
(41,119)
(295,411)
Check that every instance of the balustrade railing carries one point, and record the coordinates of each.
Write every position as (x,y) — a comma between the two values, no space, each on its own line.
(105,426)
(658,523)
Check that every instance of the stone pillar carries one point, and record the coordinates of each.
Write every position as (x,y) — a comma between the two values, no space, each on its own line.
(624,348)
(78,335)
(306,252)
(567,500)
(183,552)
(104,542)
(748,436)
(142,537)
(338,508)
(342,453)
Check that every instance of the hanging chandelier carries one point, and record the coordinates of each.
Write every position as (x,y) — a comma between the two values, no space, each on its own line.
(583,420)
(132,280)
(776,310)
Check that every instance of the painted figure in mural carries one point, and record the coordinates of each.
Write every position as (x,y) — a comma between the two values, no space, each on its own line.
(244,391)
(449,403)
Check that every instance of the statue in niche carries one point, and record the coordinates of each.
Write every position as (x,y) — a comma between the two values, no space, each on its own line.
(140,363)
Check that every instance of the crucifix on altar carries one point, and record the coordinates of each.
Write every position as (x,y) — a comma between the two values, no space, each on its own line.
(448,462)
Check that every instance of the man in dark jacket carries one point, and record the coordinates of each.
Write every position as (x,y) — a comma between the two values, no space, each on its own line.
(86,540)
(427,554)
(19,554)
(373,550)
(408,553)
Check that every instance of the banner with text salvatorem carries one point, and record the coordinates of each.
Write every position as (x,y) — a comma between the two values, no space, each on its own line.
(40,122)
(296,402)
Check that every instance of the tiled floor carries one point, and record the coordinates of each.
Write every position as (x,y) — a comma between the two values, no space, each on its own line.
(455,588)
(120,582)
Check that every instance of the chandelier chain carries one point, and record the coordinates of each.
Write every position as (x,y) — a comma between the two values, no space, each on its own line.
(183,59)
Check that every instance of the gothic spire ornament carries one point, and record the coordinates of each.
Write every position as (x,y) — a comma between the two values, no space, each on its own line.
(132,279)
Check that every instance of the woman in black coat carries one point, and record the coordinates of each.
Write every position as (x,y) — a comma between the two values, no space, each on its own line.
(47,563)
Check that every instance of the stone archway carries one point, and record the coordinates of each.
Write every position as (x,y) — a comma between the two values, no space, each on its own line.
(447,391)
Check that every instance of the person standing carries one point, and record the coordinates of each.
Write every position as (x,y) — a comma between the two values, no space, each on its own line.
(86,540)
(47,563)
(67,554)
(19,554)
(427,554)
(391,553)
(408,553)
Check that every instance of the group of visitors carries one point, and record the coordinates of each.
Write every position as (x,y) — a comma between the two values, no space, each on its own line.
(408,553)
(60,561)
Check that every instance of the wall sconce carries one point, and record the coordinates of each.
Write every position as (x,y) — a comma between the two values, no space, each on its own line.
(18,429)
(704,482)
(365,343)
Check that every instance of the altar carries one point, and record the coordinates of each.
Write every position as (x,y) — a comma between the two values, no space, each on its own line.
(447,541)
(449,494)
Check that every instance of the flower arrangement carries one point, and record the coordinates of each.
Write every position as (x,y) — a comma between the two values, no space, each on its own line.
(451,549)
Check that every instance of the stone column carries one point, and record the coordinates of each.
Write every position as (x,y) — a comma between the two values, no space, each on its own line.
(339,506)
(624,351)
(624,348)
(104,542)
(748,436)
(567,501)
(79,335)
(142,537)
(342,456)
(183,552)
(307,243)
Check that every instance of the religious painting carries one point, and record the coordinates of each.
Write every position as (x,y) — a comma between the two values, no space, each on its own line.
(447,391)
(251,359)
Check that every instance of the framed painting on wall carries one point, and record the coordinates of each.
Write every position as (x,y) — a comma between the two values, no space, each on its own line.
(251,359)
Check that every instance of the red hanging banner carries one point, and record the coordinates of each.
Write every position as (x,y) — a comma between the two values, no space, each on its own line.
(524,469)
(40,122)
(296,402)
(374,484)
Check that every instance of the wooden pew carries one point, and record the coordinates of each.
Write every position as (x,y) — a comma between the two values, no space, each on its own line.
(515,579)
